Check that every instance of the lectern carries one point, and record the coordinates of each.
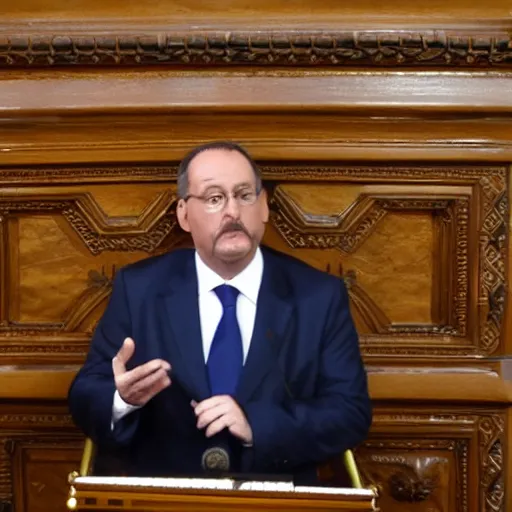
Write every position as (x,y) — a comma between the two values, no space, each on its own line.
(113,493)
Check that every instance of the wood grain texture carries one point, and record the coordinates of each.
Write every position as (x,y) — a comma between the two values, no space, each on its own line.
(91,497)
(216,91)
(323,137)
(297,8)
(387,383)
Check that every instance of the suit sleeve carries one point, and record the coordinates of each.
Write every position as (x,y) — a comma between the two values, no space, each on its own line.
(337,418)
(91,394)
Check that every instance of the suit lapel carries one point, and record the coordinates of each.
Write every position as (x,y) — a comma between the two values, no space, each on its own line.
(182,312)
(273,315)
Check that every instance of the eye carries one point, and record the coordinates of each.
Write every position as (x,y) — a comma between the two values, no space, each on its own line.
(247,196)
(214,200)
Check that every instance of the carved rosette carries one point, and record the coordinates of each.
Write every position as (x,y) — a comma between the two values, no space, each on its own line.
(412,471)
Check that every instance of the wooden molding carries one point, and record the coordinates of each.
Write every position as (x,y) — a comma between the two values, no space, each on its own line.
(448,49)
(284,92)
(421,384)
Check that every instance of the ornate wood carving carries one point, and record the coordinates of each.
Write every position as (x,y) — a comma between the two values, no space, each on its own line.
(411,468)
(345,233)
(222,48)
(412,471)
(301,230)
(87,174)
(493,239)
(5,473)
(492,485)
(83,214)
(4,255)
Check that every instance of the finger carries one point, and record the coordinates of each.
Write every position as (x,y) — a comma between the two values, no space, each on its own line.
(212,414)
(126,351)
(123,356)
(141,372)
(146,388)
(143,385)
(157,387)
(214,401)
(219,425)
(193,403)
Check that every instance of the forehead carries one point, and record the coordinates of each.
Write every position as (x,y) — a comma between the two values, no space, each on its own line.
(219,167)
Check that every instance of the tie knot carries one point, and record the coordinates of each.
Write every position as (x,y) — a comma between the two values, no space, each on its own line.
(227,295)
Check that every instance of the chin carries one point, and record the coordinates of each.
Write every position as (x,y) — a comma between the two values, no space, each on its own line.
(233,252)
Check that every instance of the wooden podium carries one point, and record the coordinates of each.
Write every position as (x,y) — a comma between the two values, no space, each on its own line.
(115,493)
(148,494)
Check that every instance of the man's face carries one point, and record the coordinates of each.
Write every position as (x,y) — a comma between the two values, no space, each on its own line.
(224,222)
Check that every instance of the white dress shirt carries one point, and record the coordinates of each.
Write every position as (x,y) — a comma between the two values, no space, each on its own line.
(248,283)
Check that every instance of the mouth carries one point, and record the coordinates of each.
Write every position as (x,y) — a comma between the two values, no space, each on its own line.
(233,234)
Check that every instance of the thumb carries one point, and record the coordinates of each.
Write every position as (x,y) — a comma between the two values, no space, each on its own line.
(123,356)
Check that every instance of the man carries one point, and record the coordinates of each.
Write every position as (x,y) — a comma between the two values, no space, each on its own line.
(230,356)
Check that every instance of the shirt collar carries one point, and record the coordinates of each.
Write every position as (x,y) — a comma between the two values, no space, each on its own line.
(247,282)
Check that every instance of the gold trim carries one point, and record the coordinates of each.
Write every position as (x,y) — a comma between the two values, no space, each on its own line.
(353,471)
(87,458)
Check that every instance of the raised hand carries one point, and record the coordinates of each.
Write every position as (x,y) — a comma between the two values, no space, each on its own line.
(138,386)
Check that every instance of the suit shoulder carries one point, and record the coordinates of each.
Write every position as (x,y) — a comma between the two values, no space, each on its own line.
(171,261)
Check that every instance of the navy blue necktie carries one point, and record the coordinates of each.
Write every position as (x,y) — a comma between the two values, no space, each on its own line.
(225,360)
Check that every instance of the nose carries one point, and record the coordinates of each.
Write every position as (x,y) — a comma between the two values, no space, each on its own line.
(232,207)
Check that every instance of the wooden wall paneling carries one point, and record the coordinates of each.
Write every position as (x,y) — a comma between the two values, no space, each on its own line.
(110,140)
(278,91)
(428,459)
(38,449)
(441,247)
(347,220)
(4,257)
(507,333)
(385,141)
(264,12)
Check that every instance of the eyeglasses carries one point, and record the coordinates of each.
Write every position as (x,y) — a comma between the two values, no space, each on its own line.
(216,200)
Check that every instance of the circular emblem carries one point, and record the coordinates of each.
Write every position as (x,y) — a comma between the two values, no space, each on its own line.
(215,459)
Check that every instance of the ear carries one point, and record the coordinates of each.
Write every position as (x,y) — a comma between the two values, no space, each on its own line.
(182,214)
(264,207)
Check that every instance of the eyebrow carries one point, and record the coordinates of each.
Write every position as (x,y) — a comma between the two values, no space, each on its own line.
(237,187)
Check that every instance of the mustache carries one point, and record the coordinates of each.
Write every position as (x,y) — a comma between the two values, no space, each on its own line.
(232,227)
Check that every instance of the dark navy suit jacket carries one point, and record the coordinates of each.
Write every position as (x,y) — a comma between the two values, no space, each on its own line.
(303,386)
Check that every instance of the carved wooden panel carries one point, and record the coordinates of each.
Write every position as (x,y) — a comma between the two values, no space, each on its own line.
(435,461)
(427,462)
(38,448)
(43,468)
(423,250)
(61,248)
